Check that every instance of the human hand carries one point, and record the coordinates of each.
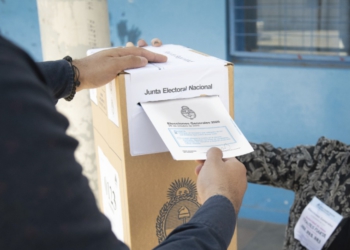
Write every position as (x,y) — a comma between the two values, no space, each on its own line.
(217,176)
(156,42)
(102,67)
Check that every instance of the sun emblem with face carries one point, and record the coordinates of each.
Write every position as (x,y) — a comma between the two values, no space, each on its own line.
(182,187)
(188,113)
(180,208)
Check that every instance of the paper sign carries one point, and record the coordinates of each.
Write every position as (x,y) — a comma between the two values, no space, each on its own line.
(112,108)
(316,224)
(111,200)
(93,95)
(190,127)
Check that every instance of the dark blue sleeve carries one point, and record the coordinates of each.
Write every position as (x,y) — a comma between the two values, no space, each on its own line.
(45,200)
(212,227)
(58,77)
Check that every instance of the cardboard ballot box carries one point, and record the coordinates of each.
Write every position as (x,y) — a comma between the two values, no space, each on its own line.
(143,191)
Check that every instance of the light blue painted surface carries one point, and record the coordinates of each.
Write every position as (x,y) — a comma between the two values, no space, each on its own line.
(19,23)
(286,106)
(197,24)
(290,106)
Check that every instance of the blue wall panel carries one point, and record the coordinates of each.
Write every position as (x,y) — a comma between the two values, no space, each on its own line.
(196,24)
(266,204)
(19,23)
(286,106)
(291,105)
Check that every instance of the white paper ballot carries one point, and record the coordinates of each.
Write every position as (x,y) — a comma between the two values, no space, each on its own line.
(189,127)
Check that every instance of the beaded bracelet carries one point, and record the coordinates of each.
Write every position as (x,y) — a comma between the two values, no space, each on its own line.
(76,75)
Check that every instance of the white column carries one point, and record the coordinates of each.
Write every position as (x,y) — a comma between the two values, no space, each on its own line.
(71,27)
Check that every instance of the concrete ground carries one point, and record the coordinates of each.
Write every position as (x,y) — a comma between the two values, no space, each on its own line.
(258,235)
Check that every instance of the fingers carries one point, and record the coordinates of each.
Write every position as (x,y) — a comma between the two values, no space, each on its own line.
(232,159)
(129,44)
(135,51)
(214,154)
(200,161)
(141,43)
(101,67)
(130,62)
(130,49)
(198,169)
(156,42)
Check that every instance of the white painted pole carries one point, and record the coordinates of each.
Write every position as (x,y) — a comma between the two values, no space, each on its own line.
(71,27)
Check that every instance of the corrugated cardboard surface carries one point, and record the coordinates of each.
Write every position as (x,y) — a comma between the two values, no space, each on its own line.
(157,192)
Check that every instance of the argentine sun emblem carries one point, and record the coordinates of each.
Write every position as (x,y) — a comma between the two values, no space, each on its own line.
(180,208)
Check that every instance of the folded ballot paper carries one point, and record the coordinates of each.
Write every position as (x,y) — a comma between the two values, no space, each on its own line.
(189,127)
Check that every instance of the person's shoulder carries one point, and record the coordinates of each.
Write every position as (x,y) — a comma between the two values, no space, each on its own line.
(330,146)
(8,49)
(326,141)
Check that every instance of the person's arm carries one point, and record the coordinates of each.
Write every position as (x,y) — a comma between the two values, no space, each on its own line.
(58,77)
(96,70)
(212,227)
(45,201)
(221,186)
(279,167)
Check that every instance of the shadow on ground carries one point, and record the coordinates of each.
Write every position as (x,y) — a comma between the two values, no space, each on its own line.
(253,235)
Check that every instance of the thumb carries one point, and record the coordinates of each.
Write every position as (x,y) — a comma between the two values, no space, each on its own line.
(198,169)
(214,155)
